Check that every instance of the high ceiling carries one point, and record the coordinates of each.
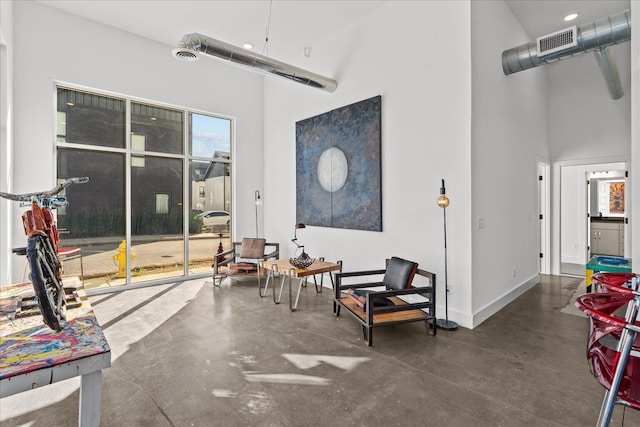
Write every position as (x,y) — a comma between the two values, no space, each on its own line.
(293,25)
(541,17)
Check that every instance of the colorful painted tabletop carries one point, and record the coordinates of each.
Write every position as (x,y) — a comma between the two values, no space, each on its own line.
(26,344)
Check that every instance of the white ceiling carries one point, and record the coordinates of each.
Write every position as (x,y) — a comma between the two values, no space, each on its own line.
(541,17)
(294,24)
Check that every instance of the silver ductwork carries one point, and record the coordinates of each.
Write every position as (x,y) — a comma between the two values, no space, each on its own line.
(594,36)
(192,45)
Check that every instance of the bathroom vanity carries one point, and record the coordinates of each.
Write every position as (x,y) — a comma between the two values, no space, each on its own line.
(607,236)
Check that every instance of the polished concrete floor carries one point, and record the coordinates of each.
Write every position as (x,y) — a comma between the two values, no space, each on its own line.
(193,355)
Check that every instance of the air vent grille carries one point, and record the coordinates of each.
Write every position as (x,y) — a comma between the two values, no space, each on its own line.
(185,54)
(558,41)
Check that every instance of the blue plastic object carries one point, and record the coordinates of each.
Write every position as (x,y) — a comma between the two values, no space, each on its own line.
(612,260)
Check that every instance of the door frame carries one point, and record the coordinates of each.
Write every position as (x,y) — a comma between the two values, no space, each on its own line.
(587,165)
(544,211)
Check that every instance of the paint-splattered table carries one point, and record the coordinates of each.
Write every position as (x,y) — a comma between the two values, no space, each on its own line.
(32,355)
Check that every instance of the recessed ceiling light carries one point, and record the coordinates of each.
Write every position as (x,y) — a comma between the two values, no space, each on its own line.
(247,46)
(570,17)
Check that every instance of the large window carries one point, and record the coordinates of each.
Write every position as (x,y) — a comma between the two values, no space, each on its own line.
(160,176)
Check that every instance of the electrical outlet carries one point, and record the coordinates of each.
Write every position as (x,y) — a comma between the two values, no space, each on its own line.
(481,223)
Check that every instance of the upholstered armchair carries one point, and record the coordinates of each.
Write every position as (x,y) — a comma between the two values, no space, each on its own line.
(244,258)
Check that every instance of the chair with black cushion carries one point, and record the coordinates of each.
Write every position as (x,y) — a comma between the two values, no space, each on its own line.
(243,259)
(392,300)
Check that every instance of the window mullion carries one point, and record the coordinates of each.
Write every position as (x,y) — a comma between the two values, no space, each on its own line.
(186,192)
(128,191)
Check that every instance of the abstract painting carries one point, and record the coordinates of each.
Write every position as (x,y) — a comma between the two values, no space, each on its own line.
(616,198)
(338,168)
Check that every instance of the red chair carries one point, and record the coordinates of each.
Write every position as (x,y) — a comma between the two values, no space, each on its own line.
(613,350)
(72,253)
(616,282)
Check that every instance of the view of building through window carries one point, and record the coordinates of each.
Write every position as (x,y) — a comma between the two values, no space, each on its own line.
(166,182)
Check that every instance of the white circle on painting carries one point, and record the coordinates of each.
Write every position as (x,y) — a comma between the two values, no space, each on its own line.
(332,169)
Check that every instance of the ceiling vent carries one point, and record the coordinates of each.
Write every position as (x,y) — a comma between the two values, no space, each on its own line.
(185,54)
(558,41)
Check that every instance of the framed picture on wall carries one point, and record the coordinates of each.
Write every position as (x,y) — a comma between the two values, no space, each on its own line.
(338,168)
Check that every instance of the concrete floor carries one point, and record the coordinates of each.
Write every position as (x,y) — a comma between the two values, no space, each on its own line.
(194,355)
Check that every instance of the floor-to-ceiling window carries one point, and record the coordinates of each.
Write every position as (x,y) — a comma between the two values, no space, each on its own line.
(158,203)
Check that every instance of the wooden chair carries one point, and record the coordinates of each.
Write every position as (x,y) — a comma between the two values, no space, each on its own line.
(244,259)
(392,300)
(66,254)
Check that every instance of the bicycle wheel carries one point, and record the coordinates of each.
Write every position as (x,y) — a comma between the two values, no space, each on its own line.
(46,280)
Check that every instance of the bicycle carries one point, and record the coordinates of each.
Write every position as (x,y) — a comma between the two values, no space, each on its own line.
(42,249)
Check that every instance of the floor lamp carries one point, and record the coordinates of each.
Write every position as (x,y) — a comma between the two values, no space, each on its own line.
(258,201)
(446,324)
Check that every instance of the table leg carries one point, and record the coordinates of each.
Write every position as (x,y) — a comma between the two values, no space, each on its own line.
(282,279)
(90,397)
(291,306)
(300,285)
(266,285)
(315,282)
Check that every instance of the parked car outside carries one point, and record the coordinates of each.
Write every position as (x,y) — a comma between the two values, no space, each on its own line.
(215,219)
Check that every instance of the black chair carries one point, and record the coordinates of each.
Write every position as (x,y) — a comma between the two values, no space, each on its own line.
(392,300)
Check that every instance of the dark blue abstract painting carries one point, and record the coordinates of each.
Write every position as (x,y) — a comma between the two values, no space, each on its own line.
(338,168)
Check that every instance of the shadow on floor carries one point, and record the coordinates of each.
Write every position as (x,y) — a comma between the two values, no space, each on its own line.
(229,358)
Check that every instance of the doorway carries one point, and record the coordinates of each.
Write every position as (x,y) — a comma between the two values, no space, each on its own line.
(575,224)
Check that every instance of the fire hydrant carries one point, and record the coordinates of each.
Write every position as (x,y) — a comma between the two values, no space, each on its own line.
(121,258)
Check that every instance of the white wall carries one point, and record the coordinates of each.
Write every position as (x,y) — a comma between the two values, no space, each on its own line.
(416,55)
(6,108)
(51,45)
(585,123)
(635,135)
(509,137)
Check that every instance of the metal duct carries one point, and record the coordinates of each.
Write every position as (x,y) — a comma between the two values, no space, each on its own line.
(609,68)
(192,44)
(595,36)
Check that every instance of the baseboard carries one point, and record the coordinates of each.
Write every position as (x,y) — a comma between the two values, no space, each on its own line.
(573,269)
(462,319)
(498,304)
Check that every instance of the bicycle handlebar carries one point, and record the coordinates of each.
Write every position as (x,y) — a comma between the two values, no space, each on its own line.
(27,197)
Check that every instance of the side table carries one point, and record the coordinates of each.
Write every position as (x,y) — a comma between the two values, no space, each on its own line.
(288,272)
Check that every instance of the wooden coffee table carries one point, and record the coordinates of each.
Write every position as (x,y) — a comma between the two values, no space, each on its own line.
(288,272)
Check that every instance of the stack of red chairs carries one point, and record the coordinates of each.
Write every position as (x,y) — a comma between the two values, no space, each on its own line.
(613,349)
